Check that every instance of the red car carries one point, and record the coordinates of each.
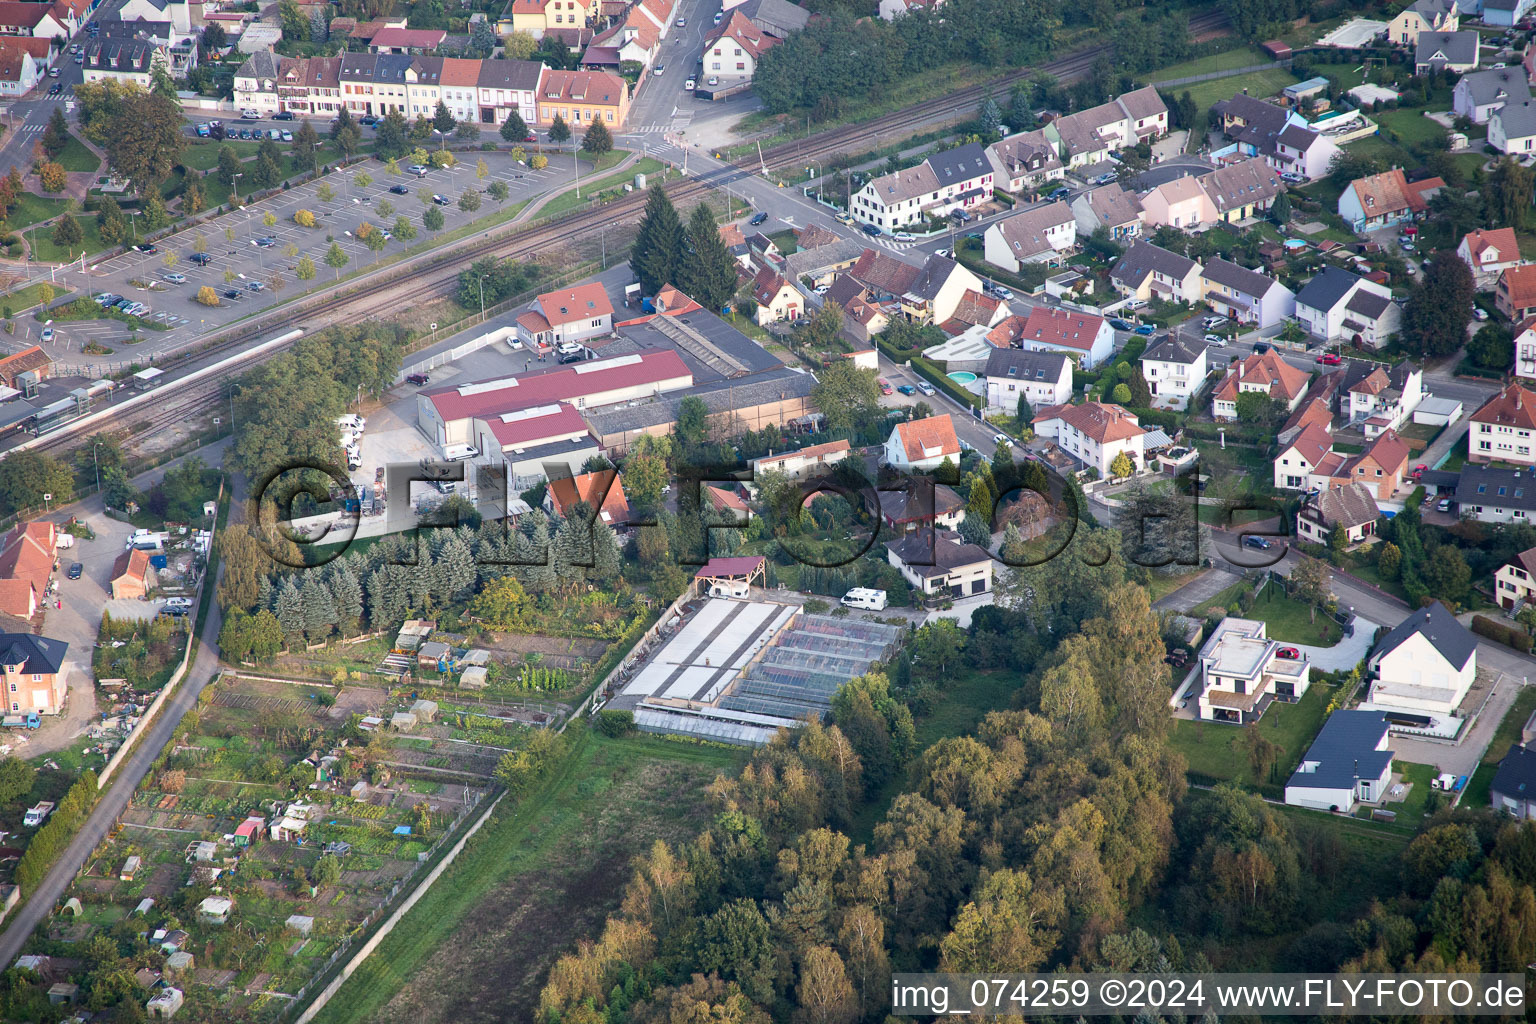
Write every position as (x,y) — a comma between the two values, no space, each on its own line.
(885,386)
(1419,471)
(1329,359)
(1289,653)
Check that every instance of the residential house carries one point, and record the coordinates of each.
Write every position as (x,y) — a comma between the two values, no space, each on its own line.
(819,263)
(1425,664)
(1253,123)
(1513,790)
(909,505)
(1024,162)
(1512,128)
(1338,306)
(1479,94)
(919,445)
(1109,207)
(1181,203)
(1385,200)
(26,565)
(1089,136)
(38,20)
(1241,190)
(775,297)
(1525,349)
(1382,466)
(939,564)
(1502,428)
(1174,369)
(132,575)
(1449,51)
(1242,673)
(1094,433)
(1505,13)
(24,60)
(501,87)
(536,17)
(1246,296)
(974,312)
(1489,251)
(804,462)
(952,179)
(603,490)
(1349,507)
(581,97)
(1086,337)
(1492,495)
(1515,294)
(736,46)
(1423,16)
(1514,583)
(568,315)
(1302,151)
(927,294)
(133,60)
(407,40)
(776,17)
(1039,378)
(1147,271)
(33,676)
(1384,398)
(1263,373)
(1038,235)
(1349,762)
(1306,457)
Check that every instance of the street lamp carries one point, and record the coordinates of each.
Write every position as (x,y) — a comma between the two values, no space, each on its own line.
(96,458)
(234,386)
(482,296)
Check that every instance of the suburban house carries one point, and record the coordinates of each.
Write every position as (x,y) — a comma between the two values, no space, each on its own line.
(1348,762)
(581,97)
(38,20)
(1512,128)
(1039,235)
(1514,785)
(1246,296)
(1022,163)
(1479,94)
(132,575)
(1514,583)
(1089,136)
(1040,378)
(1502,428)
(736,46)
(34,673)
(1525,349)
(1349,507)
(1489,251)
(1242,189)
(1338,306)
(949,180)
(1109,207)
(1303,151)
(927,294)
(1264,373)
(1084,336)
(1425,665)
(1515,295)
(940,564)
(1174,369)
(1385,200)
(26,564)
(1147,271)
(1253,124)
(1384,398)
(905,507)
(727,499)
(1423,16)
(1505,13)
(922,444)
(1307,455)
(23,61)
(1181,203)
(1242,673)
(804,462)
(1449,51)
(1491,495)
(568,315)
(1094,433)
(776,298)
(604,486)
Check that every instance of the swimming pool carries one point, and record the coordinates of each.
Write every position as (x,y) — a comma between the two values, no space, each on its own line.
(962,377)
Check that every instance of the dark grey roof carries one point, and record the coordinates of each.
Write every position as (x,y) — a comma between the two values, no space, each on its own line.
(775,16)
(1349,505)
(1516,777)
(261,64)
(1239,279)
(944,555)
(1517,119)
(1368,304)
(392,67)
(1018,364)
(1499,488)
(1144,258)
(1454,641)
(1174,349)
(1327,289)
(1298,138)
(719,396)
(953,166)
(936,272)
(1495,85)
(359,66)
(509,74)
(810,261)
(751,355)
(908,504)
(1345,751)
(1453,47)
(39,654)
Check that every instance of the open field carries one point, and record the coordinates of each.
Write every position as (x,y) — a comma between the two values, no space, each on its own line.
(1260,84)
(1242,57)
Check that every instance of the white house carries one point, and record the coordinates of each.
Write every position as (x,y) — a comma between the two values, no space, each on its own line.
(922,444)
(1384,398)
(952,179)
(1109,207)
(938,563)
(1479,94)
(802,462)
(1264,373)
(1037,235)
(24,61)
(1450,51)
(1024,162)
(1512,128)
(1086,337)
(1246,296)
(1242,672)
(1489,251)
(1504,428)
(1385,200)
(568,315)
(1515,581)
(1425,665)
(1339,306)
(1306,456)
(1174,369)
(1094,433)
(1348,762)
(1147,271)
(1525,349)
(1040,378)
(1491,495)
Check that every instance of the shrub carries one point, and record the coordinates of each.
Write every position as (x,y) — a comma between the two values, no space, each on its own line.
(207,296)
(303,218)
(615,723)
(1500,633)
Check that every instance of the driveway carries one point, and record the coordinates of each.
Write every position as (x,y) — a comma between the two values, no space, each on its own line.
(1462,758)
(1198,590)
(1345,654)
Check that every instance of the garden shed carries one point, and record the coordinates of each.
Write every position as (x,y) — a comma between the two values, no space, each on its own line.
(300,923)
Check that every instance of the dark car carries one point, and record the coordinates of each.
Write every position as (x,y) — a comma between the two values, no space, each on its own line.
(1060,193)
(148,248)
(1122,325)
(55,89)
(441,200)
(368,122)
(75,570)
(399,190)
(1260,347)
(419,380)
(760,218)
(202,259)
(284,115)
(871,230)
(1261,543)
(907,389)
(233,293)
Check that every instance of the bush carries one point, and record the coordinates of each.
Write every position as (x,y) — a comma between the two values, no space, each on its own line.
(1500,633)
(615,723)
(207,296)
(303,218)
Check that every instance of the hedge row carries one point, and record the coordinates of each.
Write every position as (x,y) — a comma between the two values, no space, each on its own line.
(1497,631)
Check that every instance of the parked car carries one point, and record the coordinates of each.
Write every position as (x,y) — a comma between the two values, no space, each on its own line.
(1260,347)
(1002,292)
(714,80)
(682,22)
(47,334)
(907,389)
(285,115)
(420,170)
(1479,314)
(758,218)
(871,230)
(441,200)
(201,131)
(399,190)
(255,286)
(1136,304)
(1215,339)
(174,278)
(287,135)
(1060,193)
(75,570)
(1146,330)
(368,122)
(1002,439)
(925,387)
(885,386)
(1289,653)
(202,259)
(842,218)
(251,114)
(147,248)
(265,242)
(1330,359)
(233,293)
(1443,505)
(692,83)
(903,236)
(419,380)
(1122,325)
(1260,543)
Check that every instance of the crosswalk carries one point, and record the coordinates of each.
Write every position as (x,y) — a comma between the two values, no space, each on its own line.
(31,129)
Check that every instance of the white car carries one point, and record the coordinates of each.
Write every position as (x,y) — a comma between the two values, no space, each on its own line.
(1002,293)
(1479,314)
(690,84)
(947,254)
(1216,339)
(1136,304)
(822,289)
(254,115)
(175,278)
(902,236)
(47,333)
(1002,439)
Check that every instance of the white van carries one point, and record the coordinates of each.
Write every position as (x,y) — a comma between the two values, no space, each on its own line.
(863,597)
(740,591)
(1443,781)
(459,452)
(353,422)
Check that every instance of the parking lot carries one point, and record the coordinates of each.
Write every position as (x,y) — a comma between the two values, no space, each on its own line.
(230,247)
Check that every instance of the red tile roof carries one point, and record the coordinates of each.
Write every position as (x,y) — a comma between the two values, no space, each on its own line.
(1101,421)
(1520,284)
(561,384)
(588,487)
(929,438)
(1062,327)
(1007,331)
(1390,192)
(133,564)
(584,302)
(411,38)
(1267,369)
(1500,239)
(1512,407)
(1312,444)
(28,556)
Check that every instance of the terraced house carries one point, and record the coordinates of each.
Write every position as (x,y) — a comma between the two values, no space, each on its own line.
(953,179)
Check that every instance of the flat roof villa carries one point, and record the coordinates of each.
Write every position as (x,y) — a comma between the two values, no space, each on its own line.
(1242,672)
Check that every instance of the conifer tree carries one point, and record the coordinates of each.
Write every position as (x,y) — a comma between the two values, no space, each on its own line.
(658,243)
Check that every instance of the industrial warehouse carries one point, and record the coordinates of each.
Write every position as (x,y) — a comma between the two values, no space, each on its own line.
(738,671)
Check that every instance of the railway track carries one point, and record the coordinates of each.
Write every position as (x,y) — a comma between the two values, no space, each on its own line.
(435,274)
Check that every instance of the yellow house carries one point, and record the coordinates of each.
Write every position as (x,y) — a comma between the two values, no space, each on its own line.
(539,16)
(1423,16)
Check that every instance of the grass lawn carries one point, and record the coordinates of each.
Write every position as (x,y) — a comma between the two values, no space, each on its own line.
(1411,810)
(205,157)
(1220,751)
(1226,599)
(602,163)
(1410,125)
(1290,621)
(44,249)
(76,157)
(1260,84)
(24,298)
(1228,61)
(1369,573)
(786,240)
(570,200)
(29,209)
(1479,792)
